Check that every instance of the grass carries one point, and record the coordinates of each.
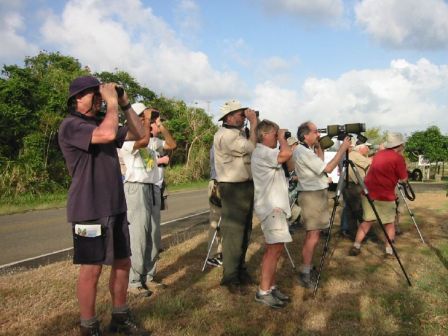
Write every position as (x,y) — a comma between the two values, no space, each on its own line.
(364,295)
(29,202)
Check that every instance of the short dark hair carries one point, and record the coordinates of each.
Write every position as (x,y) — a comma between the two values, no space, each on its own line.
(303,130)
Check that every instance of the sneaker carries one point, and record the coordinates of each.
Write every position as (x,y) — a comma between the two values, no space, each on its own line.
(91,331)
(279,295)
(213,262)
(219,258)
(305,280)
(269,300)
(354,251)
(140,291)
(124,324)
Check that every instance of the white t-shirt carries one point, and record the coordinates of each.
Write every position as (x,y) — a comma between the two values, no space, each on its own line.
(309,170)
(137,170)
(271,188)
(156,144)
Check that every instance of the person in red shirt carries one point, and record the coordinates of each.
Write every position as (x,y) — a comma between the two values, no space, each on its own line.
(387,169)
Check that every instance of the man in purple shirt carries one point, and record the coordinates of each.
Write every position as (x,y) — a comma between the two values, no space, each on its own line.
(96,206)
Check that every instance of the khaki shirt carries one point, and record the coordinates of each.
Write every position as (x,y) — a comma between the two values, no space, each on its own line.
(232,155)
(361,162)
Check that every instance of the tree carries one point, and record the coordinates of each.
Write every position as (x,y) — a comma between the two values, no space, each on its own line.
(431,143)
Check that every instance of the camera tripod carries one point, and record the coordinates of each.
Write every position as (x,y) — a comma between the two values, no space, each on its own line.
(212,241)
(340,186)
(402,189)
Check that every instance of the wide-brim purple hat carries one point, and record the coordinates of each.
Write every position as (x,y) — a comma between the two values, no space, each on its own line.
(80,84)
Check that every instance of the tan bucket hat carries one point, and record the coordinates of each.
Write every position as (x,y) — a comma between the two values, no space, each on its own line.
(394,139)
(292,141)
(230,106)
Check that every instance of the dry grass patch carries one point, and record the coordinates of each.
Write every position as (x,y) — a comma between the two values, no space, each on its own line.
(364,295)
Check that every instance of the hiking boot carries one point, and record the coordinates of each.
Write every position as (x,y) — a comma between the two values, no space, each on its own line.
(91,331)
(354,251)
(305,280)
(234,286)
(124,324)
(245,278)
(139,291)
(269,300)
(279,295)
(213,262)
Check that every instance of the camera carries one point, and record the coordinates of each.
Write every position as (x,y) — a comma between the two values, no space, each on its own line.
(120,90)
(154,115)
(287,135)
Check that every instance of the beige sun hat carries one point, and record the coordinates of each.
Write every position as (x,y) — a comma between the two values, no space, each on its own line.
(394,139)
(139,108)
(230,106)
(357,147)
(292,141)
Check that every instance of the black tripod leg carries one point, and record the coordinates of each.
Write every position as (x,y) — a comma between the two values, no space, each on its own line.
(333,214)
(388,239)
(327,242)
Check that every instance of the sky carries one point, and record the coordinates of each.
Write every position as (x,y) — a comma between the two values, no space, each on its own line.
(334,62)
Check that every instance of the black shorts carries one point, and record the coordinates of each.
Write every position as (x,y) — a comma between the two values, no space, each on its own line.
(112,241)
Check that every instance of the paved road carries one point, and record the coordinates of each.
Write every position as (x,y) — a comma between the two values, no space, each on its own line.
(35,233)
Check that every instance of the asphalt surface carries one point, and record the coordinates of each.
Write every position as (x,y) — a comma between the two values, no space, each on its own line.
(38,233)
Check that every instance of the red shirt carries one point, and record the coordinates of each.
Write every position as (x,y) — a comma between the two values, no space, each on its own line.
(387,168)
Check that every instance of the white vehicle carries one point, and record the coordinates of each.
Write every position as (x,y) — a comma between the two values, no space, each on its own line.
(334,175)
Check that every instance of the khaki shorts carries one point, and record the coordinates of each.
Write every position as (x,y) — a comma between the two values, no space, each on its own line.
(386,210)
(314,205)
(275,228)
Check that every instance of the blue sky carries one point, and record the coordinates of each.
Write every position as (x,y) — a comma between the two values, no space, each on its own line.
(381,62)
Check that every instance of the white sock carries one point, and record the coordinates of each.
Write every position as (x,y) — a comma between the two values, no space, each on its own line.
(263,292)
(357,245)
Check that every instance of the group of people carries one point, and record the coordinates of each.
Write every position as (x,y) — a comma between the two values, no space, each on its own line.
(249,178)
(113,223)
(118,224)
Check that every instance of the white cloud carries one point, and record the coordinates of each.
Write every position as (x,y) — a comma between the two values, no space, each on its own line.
(188,17)
(277,69)
(106,34)
(328,11)
(14,45)
(400,98)
(405,24)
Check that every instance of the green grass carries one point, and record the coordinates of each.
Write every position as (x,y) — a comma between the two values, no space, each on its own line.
(366,295)
(27,202)
(188,186)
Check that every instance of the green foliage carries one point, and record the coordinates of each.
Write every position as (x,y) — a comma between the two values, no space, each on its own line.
(375,136)
(33,102)
(431,143)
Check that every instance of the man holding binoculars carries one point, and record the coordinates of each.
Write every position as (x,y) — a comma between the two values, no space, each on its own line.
(233,152)
(96,206)
(312,183)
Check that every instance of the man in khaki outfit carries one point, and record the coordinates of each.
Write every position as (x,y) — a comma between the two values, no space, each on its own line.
(232,162)
(352,191)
